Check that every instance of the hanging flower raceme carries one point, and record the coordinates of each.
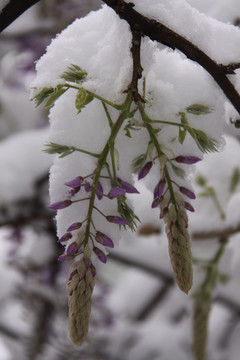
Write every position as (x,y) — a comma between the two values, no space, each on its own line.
(108,137)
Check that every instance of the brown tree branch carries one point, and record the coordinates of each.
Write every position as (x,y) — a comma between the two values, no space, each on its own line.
(13,10)
(161,33)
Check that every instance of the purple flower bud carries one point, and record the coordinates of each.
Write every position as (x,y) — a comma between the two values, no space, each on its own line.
(72,248)
(74,226)
(60,205)
(65,257)
(99,191)
(163,213)
(76,182)
(145,170)
(116,220)
(115,192)
(187,192)
(156,202)
(187,159)
(72,275)
(188,206)
(104,239)
(93,270)
(87,262)
(158,191)
(65,237)
(128,187)
(100,254)
(87,186)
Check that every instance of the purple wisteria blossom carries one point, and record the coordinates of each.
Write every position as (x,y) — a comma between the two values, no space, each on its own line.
(187,192)
(99,191)
(128,187)
(76,182)
(104,239)
(60,205)
(100,254)
(158,191)
(188,206)
(187,159)
(65,237)
(115,192)
(116,220)
(65,257)
(87,262)
(87,186)
(74,226)
(145,170)
(93,270)
(72,248)
(156,202)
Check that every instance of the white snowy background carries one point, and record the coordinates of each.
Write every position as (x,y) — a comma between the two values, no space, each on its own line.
(151,317)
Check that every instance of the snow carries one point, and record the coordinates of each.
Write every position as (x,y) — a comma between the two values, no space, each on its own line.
(19,155)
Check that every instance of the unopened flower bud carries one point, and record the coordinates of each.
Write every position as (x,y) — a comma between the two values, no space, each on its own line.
(128,187)
(100,254)
(76,182)
(116,220)
(145,170)
(104,239)
(115,192)
(65,237)
(99,191)
(187,159)
(188,206)
(74,226)
(187,192)
(60,205)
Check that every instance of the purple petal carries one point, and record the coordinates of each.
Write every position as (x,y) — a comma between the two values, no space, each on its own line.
(99,191)
(100,254)
(64,257)
(187,192)
(87,186)
(187,159)
(104,239)
(115,192)
(93,270)
(164,213)
(116,220)
(72,248)
(65,237)
(145,170)
(158,191)
(128,187)
(60,205)
(87,262)
(156,202)
(188,206)
(74,191)
(74,226)
(76,182)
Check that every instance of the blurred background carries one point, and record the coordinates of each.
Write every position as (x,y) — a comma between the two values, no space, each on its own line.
(138,313)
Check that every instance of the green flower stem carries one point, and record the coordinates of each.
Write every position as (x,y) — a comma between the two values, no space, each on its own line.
(102,159)
(110,122)
(159,151)
(87,152)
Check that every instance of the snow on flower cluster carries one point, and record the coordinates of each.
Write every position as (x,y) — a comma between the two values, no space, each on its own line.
(182,118)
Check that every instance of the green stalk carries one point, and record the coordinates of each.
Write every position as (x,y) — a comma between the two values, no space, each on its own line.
(102,159)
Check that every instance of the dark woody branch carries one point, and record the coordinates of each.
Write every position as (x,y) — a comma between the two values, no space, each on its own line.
(161,33)
(13,10)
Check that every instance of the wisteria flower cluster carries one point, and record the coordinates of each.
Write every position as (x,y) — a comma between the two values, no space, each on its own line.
(105,147)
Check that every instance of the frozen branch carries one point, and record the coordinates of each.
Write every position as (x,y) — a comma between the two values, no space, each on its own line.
(161,33)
